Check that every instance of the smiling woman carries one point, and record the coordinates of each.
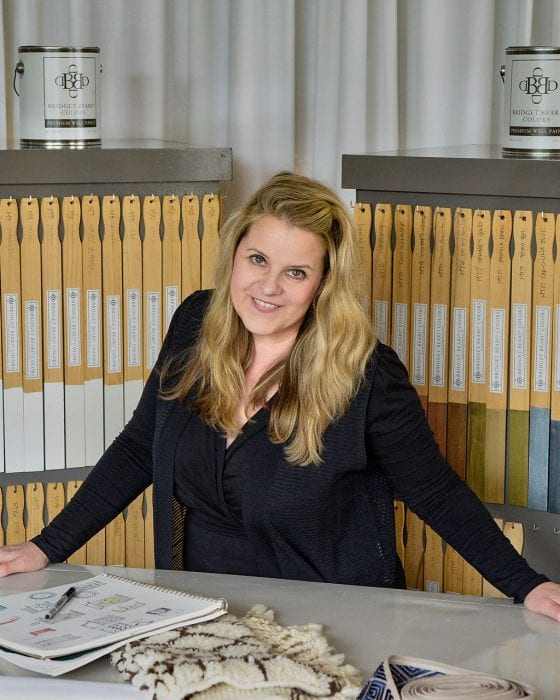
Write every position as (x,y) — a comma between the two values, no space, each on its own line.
(277,432)
(277,271)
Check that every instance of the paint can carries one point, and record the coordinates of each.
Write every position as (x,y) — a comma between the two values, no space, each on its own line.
(531,76)
(59,94)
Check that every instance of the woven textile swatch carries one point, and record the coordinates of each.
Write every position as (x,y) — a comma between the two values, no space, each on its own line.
(238,658)
(405,678)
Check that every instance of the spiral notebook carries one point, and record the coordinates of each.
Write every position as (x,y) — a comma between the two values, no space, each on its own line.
(105,612)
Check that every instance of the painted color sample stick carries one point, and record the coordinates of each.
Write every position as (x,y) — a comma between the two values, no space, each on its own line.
(497,354)
(10,285)
(480,280)
(53,343)
(171,211)
(458,372)
(554,451)
(92,329)
(132,308)
(363,221)
(541,355)
(457,395)
(439,326)
(32,336)
(382,272)
(151,282)
(113,381)
(210,240)
(401,282)
(520,354)
(34,505)
(420,302)
(190,245)
(74,376)
(437,390)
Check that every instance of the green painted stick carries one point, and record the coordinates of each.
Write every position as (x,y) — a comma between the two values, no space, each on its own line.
(382,273)
(401,282)
(420,302)
(520,333)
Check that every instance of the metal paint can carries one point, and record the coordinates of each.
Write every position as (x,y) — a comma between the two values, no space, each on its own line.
(59,92)
(532,102)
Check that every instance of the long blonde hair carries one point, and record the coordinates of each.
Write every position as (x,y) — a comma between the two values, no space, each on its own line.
(326,365)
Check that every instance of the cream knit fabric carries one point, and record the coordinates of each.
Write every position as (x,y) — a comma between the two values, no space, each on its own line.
(233,658)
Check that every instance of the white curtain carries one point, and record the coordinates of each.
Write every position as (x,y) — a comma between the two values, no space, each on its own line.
(288,84)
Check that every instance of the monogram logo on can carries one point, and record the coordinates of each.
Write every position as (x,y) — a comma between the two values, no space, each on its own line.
(72,80)
(537,85)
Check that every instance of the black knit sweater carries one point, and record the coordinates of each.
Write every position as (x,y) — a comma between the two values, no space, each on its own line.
(333,522)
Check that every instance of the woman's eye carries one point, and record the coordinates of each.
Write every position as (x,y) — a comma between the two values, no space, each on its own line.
(297,274)
(257,259)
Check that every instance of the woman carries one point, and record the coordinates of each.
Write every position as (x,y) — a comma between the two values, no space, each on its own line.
(275,429)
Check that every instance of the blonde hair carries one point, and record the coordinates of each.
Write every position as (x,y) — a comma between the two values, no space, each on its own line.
(326,365)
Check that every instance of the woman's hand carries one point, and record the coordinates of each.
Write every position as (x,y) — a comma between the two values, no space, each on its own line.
(545,599)
(19,558)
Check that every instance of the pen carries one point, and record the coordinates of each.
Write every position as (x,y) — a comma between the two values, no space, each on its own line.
(61,602)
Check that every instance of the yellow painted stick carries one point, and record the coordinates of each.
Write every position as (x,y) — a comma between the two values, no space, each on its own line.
(34,506)
(15,530)
(497,354)
(55,499)
(414,552)
(10,285)
(437,390)
(112,274)
(151,282)
(420,303)
(33,428)
(363,221)
(210,240)
(53,340)
(74,376)
(458,373)
(92,329)
(132,307)
(190,245)
(457,395)
(171,212)
(401,282)
(382,272)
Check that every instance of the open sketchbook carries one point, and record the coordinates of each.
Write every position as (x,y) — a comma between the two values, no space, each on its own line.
(105,612)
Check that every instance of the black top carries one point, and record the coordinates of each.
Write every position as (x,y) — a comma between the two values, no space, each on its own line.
(250,511)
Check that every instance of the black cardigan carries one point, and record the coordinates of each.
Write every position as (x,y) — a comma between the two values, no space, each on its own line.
(333,522)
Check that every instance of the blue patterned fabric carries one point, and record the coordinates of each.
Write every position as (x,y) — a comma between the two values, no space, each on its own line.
(379,687)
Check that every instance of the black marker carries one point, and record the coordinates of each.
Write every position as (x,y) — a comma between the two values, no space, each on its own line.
(61,602)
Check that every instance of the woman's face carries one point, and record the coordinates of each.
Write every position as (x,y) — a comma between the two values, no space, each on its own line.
(277,270)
